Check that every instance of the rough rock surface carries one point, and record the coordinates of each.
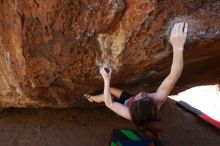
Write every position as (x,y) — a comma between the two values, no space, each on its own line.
(49,48)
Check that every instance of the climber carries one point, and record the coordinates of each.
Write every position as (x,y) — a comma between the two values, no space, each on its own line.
(142,108)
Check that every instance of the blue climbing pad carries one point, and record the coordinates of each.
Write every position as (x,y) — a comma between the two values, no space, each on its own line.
(124,137)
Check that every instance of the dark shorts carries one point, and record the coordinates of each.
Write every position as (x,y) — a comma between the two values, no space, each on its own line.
(124,96)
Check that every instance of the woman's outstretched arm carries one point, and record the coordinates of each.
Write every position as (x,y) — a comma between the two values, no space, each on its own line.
(114,106)
(177,39)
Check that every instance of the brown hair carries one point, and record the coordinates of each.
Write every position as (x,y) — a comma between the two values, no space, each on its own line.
(144,115)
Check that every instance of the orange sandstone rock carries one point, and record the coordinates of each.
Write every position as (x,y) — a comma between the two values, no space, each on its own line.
(49,49)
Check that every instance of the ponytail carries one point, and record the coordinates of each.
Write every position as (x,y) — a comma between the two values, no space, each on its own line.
(151,130)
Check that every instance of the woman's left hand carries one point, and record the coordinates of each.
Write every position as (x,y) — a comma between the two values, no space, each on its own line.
(106,71)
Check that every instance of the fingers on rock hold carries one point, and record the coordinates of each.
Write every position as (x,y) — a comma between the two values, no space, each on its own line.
(185,28)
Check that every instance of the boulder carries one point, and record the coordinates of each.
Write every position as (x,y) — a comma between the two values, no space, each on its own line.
(50,49)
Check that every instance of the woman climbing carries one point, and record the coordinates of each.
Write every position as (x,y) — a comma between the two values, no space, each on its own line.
(142,108)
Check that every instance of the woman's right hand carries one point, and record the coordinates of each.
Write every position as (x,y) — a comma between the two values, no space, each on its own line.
(178,36)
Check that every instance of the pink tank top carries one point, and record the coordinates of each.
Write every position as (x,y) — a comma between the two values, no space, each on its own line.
(133,99)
